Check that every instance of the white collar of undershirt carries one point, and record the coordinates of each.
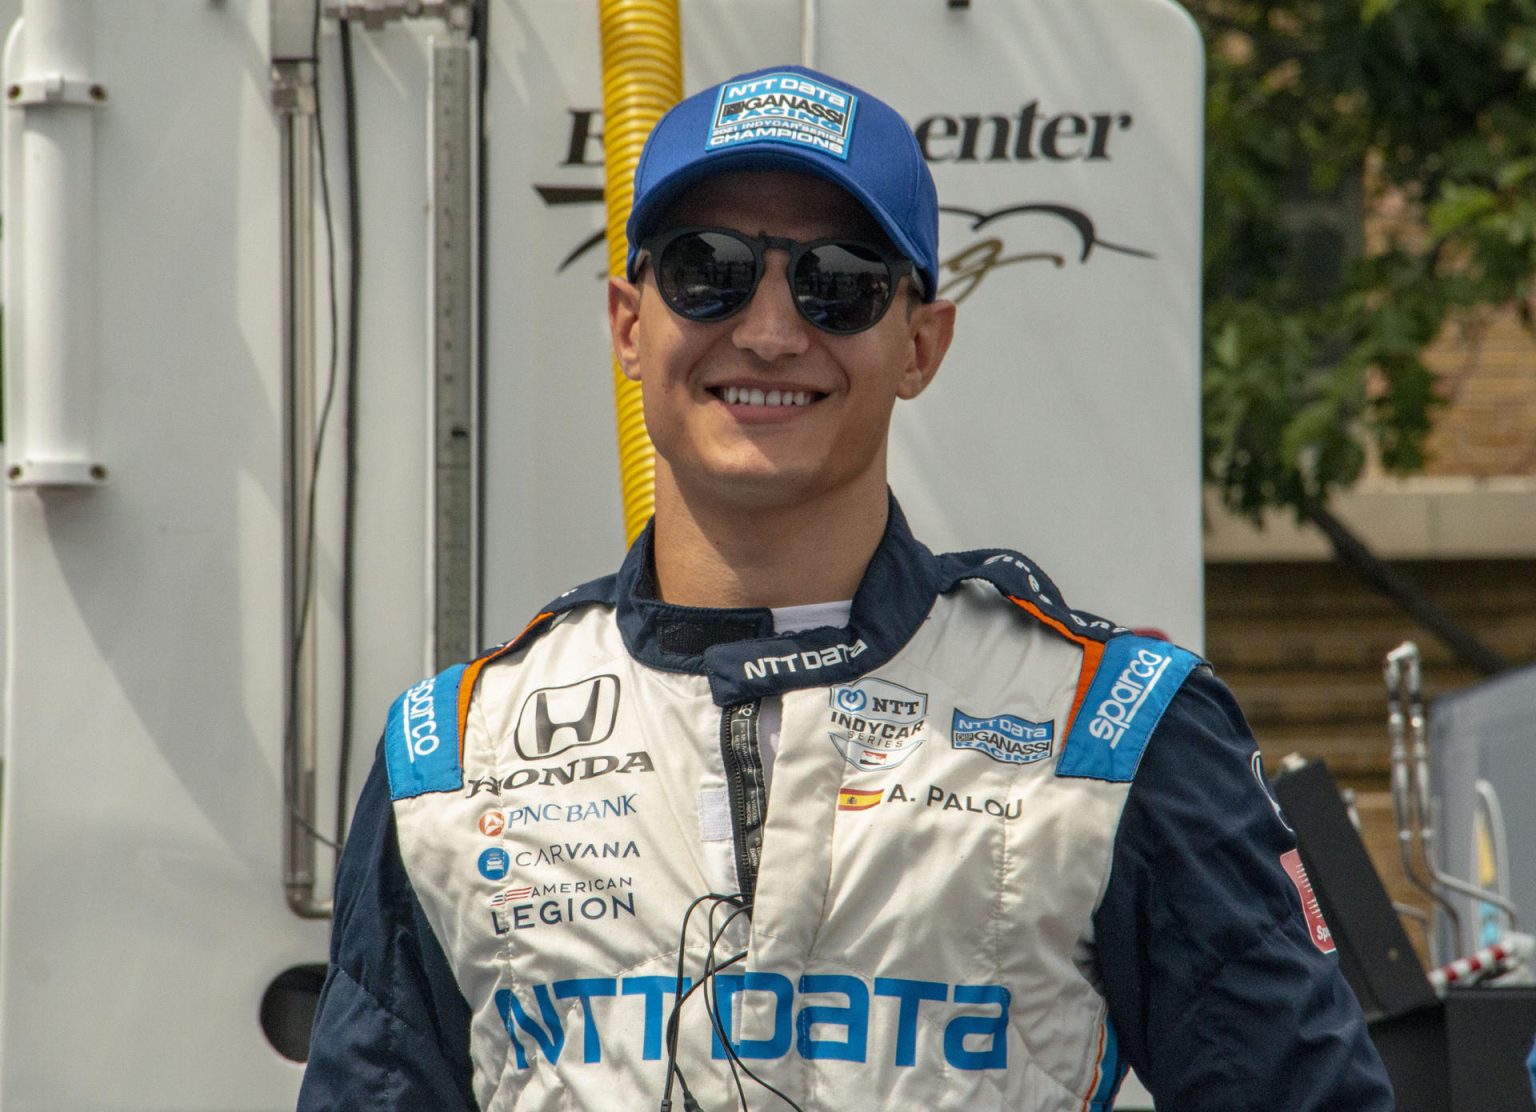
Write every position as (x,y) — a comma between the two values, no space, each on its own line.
(812,615)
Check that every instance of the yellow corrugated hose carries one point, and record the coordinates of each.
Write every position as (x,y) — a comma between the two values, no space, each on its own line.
(642,78)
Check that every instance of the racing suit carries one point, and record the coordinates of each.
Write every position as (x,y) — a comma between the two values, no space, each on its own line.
(1010,848)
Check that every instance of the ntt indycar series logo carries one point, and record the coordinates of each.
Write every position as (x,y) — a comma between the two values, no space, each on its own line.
(784,108)
(877,724)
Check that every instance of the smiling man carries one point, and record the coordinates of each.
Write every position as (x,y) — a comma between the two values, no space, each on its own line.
(790,812)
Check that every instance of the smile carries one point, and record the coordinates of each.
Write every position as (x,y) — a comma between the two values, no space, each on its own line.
(742,395)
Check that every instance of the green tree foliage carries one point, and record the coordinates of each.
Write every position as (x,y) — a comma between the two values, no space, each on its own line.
(1317,111)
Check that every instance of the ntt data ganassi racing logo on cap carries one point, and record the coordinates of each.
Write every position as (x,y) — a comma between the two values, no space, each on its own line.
(783,108)
(554,719)
(877,724)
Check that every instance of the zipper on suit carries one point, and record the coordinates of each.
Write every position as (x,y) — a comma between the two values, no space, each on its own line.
(748,791)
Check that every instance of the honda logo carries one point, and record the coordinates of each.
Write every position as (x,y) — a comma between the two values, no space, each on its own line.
(554,719)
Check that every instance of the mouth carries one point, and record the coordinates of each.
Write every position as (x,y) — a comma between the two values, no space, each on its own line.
(766,399)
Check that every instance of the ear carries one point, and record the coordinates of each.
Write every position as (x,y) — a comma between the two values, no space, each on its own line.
(931,327)
(624,325)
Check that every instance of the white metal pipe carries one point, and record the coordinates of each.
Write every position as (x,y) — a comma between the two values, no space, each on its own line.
(1403,796)
(1444,881)
(300,593)
(56,379)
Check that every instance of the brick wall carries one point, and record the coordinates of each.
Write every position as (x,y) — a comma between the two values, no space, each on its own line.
(1487,369)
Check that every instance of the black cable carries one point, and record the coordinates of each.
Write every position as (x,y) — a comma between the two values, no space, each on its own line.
(480,31)
(349,479)
(712,1002)
(679,995)
(688,1099)
(730,1050)
(306,589)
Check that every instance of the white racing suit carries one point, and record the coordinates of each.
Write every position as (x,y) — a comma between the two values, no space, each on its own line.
(1009,849)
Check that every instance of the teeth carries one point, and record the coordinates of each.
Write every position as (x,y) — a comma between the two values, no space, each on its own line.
(740,395)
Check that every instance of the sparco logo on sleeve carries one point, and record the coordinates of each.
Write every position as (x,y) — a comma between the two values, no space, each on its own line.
(554,719)
(1116,714)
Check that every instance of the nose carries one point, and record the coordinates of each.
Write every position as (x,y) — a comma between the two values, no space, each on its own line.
(770,326)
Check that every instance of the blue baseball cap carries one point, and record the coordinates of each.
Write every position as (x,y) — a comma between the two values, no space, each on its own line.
(793,118)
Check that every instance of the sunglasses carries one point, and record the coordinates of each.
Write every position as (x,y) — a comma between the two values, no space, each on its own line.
(841,286)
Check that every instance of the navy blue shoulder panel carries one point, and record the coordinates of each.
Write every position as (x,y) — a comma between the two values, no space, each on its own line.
(1017,577)
(423,735)
(602,591)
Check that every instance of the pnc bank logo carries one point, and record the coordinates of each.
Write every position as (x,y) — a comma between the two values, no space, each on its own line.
(554,719)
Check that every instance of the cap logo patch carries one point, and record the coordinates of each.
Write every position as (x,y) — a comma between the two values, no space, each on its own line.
(785,108)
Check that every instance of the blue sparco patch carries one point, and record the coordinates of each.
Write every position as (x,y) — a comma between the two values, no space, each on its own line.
(786,108)
(1003,737)
(1136,680)
(421,737)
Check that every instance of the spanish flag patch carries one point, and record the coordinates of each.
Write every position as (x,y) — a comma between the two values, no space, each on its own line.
(850,800)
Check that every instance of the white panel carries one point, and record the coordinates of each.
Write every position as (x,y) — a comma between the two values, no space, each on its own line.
(142,886)
(1065,421)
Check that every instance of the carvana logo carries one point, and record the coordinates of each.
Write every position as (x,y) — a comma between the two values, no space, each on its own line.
(494,863)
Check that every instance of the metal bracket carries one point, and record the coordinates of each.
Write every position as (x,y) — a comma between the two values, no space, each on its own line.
(373,14)
(293,88)
(55,473)
(55,88)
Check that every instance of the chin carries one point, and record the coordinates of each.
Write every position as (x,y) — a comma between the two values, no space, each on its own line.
(760,487)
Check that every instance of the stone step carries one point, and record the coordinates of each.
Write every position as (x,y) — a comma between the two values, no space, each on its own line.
(1356,755)
(1362,642)
(1463,588)
(1301,696)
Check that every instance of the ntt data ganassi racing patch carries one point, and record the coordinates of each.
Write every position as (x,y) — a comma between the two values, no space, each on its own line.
(877,724)
(785,108)
(1003,737)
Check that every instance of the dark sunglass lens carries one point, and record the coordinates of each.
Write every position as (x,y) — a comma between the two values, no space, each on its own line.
(842,287)
(706,275)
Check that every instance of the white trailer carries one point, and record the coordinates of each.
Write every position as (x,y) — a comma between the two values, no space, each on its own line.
(161,902)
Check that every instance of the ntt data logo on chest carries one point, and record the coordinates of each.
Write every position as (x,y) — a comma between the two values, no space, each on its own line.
(1117,714)
(784,108)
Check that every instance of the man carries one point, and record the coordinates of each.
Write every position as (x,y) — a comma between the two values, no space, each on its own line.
(790,812)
